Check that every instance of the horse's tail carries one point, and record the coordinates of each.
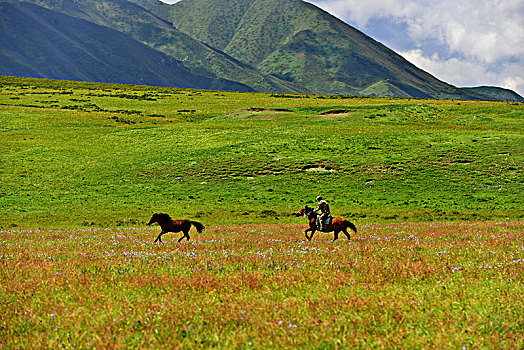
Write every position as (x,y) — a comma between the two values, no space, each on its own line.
(350,225)
(198,226)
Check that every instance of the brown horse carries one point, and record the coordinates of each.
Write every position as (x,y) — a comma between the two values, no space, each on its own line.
(337,224)
(169,225)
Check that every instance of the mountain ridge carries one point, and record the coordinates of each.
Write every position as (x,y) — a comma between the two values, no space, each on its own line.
(283,46)
(147,28)
(310,47)
(85,51)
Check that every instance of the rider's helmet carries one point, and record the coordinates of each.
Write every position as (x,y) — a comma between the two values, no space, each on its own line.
(319,198)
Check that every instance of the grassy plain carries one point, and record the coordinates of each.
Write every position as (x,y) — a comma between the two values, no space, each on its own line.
(77,154)
(434,186)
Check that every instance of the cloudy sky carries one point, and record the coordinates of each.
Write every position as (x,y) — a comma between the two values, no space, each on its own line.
(462,42)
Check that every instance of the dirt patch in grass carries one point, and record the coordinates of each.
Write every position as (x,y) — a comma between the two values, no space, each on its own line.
(336,112)
(258,110)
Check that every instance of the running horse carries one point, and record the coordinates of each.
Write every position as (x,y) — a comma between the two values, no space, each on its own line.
(169,225)
(336,225)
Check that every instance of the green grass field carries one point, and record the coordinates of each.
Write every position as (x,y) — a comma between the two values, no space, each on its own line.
(434,187)
(77,154)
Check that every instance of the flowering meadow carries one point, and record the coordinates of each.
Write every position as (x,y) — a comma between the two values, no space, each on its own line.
(455,285)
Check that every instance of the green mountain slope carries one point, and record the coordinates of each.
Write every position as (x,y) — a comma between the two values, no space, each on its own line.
(143,25)
(213,22)
(41,43)
(299,42)
(494,93)
(286,46)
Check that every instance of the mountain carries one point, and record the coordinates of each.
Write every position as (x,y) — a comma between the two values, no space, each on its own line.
(494,93)
(263,45)
(145,27)
(301,43)
(37,42)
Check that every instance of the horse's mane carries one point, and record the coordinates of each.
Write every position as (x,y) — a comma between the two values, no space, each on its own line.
(164,216)
(310,210)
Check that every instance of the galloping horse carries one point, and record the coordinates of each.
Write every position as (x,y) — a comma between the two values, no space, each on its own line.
(169,225)
(337,224)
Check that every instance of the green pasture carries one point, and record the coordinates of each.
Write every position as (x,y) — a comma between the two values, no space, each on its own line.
(85,154)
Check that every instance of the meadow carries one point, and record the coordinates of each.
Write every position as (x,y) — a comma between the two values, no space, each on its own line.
(79,154)
(394,285)
(433,186)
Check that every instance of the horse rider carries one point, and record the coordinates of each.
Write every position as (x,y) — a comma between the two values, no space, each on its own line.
(323,207)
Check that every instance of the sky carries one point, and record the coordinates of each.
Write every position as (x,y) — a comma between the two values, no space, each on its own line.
(462,42)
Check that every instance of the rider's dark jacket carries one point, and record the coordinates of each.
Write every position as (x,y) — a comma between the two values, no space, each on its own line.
(323,206)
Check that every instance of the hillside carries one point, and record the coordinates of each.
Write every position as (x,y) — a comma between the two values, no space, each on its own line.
(141,25)
(494,93)
(283,46)
(298,42)
(41,43)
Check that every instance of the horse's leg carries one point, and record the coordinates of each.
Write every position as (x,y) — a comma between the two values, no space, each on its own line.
(336,235)
(159,238)
(312,233)
(186,235)
(307,237)
(347,234)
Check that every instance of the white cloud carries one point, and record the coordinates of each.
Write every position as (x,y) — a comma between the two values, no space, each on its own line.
(480,42)
(467,73)
(469,26)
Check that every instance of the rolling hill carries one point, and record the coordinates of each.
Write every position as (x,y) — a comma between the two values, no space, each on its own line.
(494,93)
(37,42)
(262,45)
(298,42)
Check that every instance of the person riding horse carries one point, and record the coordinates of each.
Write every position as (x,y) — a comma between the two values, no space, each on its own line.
(323,207)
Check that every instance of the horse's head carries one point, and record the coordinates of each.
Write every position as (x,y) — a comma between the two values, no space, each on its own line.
(153,219)
(300,212)
(304,211)
(160,218)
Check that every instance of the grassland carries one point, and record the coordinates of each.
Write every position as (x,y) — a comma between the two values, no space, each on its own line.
(409,285)
(434,186)
(76,153)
